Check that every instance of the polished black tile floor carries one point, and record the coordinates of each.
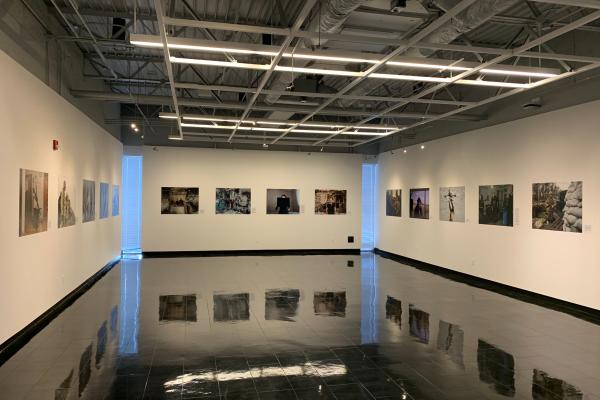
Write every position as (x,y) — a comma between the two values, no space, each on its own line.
(310,327)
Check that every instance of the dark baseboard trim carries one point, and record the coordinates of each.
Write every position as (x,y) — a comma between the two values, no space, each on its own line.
(576,310)
(21,338)
(239,253)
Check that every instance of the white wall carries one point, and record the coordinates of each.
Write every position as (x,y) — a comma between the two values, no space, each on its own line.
(553,147)
(39,269)
(258,170)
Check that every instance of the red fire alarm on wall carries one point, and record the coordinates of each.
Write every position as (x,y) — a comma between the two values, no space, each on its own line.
(55,145)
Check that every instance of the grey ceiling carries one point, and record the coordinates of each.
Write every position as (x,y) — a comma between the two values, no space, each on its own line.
(139,80)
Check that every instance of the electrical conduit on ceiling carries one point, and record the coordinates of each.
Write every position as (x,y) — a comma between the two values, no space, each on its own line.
(332,16)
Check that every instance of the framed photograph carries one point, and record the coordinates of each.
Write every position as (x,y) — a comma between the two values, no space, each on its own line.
(557,206)
(115,200)
(419,203)
(393,203)
(452,204)
(282,201)
(89,201)
(496,205)
(330,202)
(179,200)
(233,201)
(66,203)
(33,202)
(103,200)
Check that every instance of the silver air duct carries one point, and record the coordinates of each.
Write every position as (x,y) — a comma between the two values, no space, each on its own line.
(332,16)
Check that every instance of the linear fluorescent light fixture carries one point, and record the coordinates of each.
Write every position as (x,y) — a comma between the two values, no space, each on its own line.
(174,137)
(364,133)
(150,41)
(516,73)
(249,128)
(293,130)
(427,66)
(478,82)
(234,120)
(410,77)
(320,71)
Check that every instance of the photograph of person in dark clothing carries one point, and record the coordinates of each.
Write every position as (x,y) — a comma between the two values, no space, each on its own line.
(282,201)
(496,205)
(419,203)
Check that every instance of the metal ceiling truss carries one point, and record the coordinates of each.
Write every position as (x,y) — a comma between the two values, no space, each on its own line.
(392,104)
(402,46)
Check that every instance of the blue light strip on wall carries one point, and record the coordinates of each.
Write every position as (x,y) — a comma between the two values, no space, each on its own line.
(132,205)
(369,205)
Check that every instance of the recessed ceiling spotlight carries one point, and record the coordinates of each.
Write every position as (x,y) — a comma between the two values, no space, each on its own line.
(136,129)
(405,151)
(133,126)
(422,147)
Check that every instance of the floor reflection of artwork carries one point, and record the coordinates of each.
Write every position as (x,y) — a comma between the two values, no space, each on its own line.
(497,368)
(393,203)
(33,204)
(179,200)
(331,304)
(546,387)
(281,304)
(393,310)
(89,201)
(231,307)
(115,200)
(330,201)
(103,200)
(282,201)
(66,203)
(85,369)
(114,320)
(496,205)
(102,338)
(558,206)
(452,204)
(62,392)
(177,308)
(233,201)
(451,340)
(419,203)
(419,324)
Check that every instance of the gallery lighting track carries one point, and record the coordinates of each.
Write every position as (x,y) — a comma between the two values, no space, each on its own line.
(334,72)
(234,120)
(188,44)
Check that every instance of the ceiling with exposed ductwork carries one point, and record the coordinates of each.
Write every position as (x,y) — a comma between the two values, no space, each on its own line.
(329,75)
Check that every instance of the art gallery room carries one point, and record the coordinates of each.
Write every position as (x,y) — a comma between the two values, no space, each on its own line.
(300,199)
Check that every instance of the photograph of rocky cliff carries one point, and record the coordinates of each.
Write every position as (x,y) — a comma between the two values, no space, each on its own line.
(558,206)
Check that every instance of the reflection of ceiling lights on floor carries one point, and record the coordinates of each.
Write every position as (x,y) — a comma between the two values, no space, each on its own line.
(325,369)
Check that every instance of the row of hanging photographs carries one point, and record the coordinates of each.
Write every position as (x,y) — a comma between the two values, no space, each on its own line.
(184,200)
(33,202)
(556,206)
